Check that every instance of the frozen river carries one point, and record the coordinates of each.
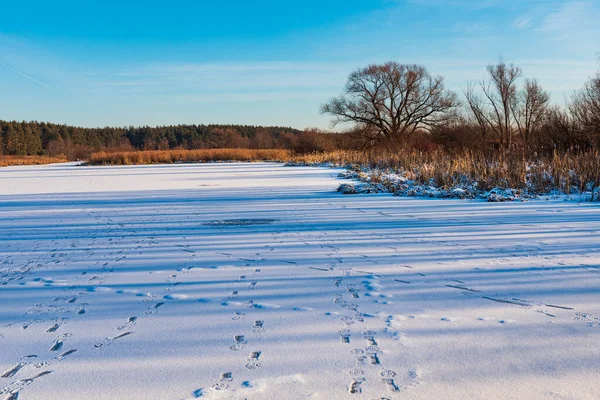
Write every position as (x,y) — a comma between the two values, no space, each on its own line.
(259,281)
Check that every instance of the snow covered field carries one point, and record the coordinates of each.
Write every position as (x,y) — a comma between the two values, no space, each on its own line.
(258,281)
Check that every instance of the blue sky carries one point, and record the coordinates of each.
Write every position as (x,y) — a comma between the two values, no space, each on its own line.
(98,63)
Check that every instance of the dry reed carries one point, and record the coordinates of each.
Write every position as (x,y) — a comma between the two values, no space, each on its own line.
(508,169)
(7,161)
(187,156)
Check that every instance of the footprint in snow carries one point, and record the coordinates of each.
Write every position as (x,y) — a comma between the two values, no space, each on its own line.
(54,327)
(154,308)
(253,361)
(59,357)
(110,340)
(387,378)
(370,337)
(59,341)
(344,336)
(302,309)
(14,388)
(237,316)
(258,326)
(359,356)
(9,373)
(175,297)
(240,341)
(224,380)
(355,386)
(233,295)
(130,322)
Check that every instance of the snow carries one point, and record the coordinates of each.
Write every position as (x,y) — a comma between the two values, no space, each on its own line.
(260,281)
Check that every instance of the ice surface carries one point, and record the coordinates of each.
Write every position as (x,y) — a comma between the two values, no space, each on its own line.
(259,281)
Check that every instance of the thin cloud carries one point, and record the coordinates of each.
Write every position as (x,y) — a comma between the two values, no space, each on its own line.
(574,25)
(522,22)
(26,76)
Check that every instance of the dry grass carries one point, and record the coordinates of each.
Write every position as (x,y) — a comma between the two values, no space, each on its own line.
(7,161)
(187,156)
(509,169)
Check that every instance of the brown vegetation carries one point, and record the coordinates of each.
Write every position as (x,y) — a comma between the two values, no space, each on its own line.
(187,156)
(7,161)
(444,169)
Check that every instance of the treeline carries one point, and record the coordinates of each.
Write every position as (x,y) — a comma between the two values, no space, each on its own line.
(40,138)
(401,106)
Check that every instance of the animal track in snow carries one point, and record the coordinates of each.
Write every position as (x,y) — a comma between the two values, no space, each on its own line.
(370,338)
(253,362)
(14,388)
(590,320)
(344,335)
(359,356)
(233,295)
(463,288)
(59,341)
(372,356)
(9,373)
(154,308)
(240,341)
(130,322)
(238,315)
(110,340)
(258,326)
(175,297)
(387,377)
(355,386)
(224,380)
(54,327)
(59,357)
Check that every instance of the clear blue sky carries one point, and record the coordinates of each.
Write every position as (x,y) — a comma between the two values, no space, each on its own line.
(97,63)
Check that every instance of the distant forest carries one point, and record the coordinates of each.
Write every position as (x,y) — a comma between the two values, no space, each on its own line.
(40,138)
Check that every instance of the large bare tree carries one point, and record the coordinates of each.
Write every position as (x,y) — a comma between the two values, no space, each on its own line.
(389,102)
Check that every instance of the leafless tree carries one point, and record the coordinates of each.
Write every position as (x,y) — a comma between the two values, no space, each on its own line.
(389,102)
(493,110)
(585,109)
(530,109)
(558,132)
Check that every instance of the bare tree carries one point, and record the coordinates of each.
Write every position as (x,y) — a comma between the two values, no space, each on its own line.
(391,101)
(558,131)
(493,111)
(585,109)
(530,109)
(479,112)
